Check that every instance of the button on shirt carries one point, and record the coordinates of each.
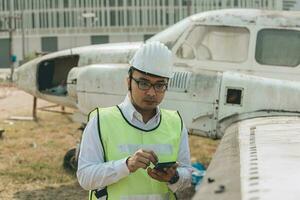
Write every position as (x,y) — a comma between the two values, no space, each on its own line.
(94,173)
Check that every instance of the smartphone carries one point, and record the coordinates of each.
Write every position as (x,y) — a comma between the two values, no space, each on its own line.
(161,166)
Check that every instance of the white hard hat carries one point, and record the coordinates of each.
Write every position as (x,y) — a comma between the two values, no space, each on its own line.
(153,58)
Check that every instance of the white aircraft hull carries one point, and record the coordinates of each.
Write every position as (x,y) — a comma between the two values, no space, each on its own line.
(257,159)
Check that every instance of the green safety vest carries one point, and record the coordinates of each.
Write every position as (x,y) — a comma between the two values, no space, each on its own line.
(121,139)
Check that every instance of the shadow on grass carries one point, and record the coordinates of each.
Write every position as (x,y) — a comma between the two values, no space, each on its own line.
(72,191)
(75,192)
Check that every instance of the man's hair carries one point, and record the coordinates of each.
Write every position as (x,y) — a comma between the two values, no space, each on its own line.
(130,71)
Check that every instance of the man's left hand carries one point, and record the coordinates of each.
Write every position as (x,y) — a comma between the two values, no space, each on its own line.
(163,176)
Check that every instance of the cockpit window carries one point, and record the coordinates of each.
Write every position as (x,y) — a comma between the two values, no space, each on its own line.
(171,34)
(216,43)
(278,47)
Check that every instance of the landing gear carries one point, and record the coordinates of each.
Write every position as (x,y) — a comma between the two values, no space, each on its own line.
(70,161)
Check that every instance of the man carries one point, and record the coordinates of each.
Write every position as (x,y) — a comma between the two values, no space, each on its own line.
(121,144)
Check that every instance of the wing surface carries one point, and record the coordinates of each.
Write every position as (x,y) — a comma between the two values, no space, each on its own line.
(257,159)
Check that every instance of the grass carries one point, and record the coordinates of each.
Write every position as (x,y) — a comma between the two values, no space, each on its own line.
(202,149)
(33,151)
(31,157)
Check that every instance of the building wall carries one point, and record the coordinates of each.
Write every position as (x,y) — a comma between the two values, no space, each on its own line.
(32,44)
(66,42)
(288,4)
(125,38)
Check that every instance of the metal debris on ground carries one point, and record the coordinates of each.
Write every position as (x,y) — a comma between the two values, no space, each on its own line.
(8,122)
(21,118)
(210,180)
(221,189)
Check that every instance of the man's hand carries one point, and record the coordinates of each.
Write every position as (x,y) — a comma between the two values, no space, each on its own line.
(141,159)
(163,176)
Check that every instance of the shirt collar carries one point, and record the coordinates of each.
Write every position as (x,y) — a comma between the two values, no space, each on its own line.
(131,113)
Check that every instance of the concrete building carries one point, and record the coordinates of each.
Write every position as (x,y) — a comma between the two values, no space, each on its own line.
(289,4)
(295,5)
(51,25)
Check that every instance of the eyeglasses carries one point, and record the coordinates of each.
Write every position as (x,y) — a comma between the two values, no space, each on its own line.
(145,85)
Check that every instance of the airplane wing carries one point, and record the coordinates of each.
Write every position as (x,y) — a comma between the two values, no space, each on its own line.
(257,159)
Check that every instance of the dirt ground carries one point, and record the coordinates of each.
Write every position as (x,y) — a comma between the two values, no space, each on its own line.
(31,152)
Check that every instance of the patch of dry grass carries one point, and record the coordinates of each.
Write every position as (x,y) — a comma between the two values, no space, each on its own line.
(202,149)
(33,151)
(31,157)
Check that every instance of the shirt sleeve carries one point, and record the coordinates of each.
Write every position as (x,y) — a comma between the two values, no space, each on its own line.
(93,172)
(184,169)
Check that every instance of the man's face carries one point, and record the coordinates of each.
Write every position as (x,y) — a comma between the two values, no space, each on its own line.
(147,99)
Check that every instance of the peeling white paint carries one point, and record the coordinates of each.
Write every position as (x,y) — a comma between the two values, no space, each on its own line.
(245,17)
(269,158)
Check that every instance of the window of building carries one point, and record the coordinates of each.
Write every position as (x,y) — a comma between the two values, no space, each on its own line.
(278,47)
(71,19)
(67,21)
(50,3)
(120,2)
(121,18)
(40,20)
(140,18)
(129,2)
(99,39)
(112,3)
(81,4)
(216,43)
(32,5)
(49,44)
(46,20)
(129,18)
(164,2)
(186,2)
(33,20)
(113,18)
(66,3)
(52,21)
(16,5)
(106,18)
(4,53)
(236,2)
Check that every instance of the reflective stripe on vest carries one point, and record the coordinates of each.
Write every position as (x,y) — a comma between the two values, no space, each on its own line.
(148,197)
(120,139)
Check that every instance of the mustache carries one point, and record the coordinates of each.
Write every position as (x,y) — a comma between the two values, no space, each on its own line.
(149,98)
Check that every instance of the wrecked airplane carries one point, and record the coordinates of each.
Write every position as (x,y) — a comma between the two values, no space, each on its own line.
(235,71)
